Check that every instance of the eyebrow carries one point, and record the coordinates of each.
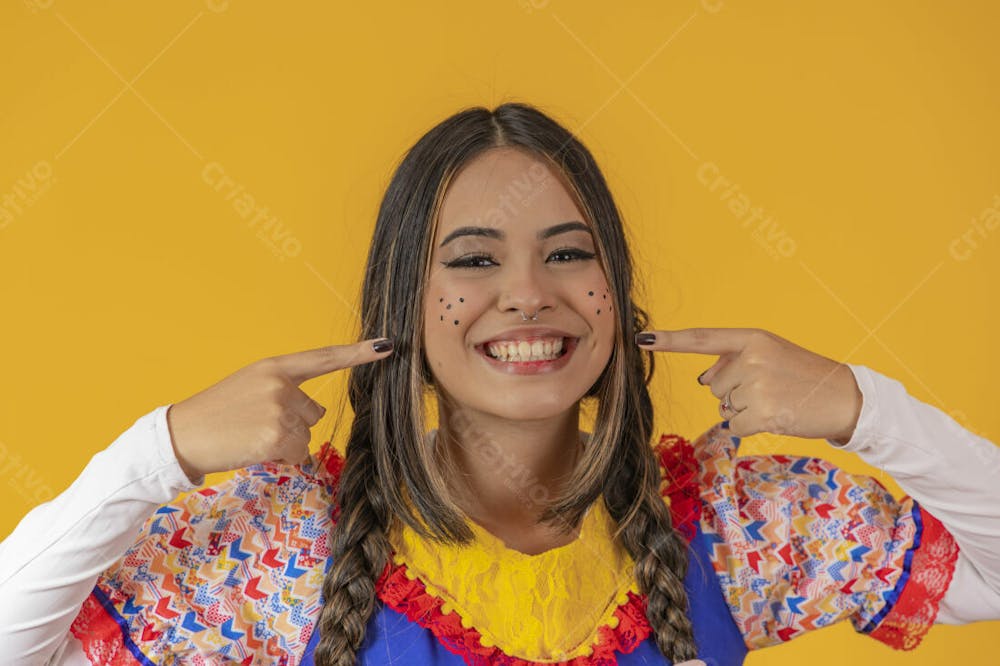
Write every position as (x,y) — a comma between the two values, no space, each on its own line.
(490,232)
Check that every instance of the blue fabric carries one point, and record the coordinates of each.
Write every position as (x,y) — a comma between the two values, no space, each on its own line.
(392,640)
(897,591)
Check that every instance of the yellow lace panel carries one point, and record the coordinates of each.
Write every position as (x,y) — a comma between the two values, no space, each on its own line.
(546,607)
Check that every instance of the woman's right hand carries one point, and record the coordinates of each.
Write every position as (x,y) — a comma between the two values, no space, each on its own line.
(258,413)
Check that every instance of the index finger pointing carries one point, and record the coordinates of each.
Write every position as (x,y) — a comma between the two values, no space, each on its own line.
(303,365)
(701,340)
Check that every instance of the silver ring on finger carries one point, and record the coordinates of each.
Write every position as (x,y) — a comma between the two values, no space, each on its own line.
(727,405)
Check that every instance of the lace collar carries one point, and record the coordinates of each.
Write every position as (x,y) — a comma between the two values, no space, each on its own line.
(542,607)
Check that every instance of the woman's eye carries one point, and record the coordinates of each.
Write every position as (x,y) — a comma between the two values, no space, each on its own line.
(577,255)
(469,261)
(472,260)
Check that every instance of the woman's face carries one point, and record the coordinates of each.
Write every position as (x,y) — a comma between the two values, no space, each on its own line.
(503,247)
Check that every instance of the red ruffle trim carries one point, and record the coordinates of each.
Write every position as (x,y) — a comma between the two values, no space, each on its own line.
(101,636)
(410,597)
(332,461)
(331,465)
(680,470)
(930,574)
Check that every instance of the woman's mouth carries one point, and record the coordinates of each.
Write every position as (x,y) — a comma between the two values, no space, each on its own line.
(530,355)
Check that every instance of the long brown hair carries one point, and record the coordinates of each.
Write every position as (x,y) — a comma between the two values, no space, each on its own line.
(389,467)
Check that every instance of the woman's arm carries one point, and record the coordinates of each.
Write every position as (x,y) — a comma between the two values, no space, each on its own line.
(50,562)
(953,473)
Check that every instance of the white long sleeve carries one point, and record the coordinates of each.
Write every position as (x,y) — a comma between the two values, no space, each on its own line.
(950,471)
(51,561)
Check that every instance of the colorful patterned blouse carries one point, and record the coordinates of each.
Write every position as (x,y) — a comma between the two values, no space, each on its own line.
(778,545)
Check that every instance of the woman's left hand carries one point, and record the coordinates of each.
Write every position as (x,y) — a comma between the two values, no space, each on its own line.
(768,384)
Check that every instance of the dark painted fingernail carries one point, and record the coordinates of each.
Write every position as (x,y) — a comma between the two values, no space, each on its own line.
(383,345)
(700,377)
(645,338)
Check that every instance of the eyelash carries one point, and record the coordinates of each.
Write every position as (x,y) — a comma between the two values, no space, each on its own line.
(465,262)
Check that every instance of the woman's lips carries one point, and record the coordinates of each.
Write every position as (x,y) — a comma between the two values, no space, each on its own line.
(531,367)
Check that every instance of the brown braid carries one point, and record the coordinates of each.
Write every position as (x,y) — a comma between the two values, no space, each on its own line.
(660,566)
(360,551)
(660,556)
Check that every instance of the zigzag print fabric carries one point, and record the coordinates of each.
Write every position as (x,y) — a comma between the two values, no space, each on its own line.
(232,573)
(224,574)
(800,544)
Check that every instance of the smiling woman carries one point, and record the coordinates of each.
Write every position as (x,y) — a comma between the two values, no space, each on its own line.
(499,270)
(522,279)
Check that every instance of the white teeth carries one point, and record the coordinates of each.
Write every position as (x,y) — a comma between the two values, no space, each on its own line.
(522,350)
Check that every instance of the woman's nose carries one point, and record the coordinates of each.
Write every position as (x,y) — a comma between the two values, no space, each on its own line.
(525,288)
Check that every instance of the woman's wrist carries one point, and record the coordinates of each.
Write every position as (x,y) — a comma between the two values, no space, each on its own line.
(193,475)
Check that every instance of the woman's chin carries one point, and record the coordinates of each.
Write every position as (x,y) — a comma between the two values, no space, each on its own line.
(529,405)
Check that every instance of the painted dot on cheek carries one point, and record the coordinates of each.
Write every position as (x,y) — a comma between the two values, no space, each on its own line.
(441,300)
(590,293)
(598,310)
(442,317)
(456,322)
(461,300)
(448,307)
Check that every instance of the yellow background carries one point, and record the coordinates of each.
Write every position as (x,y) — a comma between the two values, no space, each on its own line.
(865,132)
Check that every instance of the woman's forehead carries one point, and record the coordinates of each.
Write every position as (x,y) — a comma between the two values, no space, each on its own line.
(506,189)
